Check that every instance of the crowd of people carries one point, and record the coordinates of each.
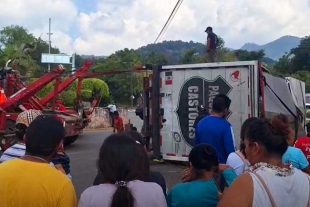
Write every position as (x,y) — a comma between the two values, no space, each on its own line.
(268,169)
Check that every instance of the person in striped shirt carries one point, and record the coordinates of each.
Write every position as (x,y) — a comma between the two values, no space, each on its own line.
(22,123)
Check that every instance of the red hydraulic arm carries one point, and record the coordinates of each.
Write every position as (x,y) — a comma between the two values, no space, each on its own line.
(26,93)
(62,86)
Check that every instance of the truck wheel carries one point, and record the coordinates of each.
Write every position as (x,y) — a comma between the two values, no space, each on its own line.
(8,141)
(70,140)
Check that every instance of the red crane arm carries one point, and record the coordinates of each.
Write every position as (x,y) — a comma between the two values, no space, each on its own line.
(64,84)
(25,94)
(107,72)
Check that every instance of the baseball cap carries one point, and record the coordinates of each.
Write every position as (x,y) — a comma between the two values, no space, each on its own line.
(26,117)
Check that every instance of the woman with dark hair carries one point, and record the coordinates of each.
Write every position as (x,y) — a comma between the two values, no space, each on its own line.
(202,190)
(237,160)
(149,176)
(121,159)
(269,182)
(292,155)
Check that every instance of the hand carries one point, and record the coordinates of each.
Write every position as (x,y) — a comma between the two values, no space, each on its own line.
(220,194)
(223,167)
(187,175)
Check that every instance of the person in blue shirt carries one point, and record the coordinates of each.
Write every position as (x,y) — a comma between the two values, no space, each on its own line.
(295,156)
(201,190)
(216,130)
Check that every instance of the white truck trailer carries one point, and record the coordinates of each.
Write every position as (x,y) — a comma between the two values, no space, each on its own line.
(173,93)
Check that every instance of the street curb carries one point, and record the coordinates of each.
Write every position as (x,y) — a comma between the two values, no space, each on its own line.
(98,129)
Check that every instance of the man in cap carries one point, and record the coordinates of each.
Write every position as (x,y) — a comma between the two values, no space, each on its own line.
(60,106)
(303,143)
(38,184)
(22,123)
(212,42)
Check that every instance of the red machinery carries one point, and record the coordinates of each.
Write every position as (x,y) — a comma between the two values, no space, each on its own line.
(24,99)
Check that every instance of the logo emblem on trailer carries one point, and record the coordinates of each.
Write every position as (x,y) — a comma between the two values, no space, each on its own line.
(235,76)
(194,92)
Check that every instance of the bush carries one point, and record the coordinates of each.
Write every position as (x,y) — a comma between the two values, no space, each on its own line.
(45,90)
(308,114)
(89,84)
(68,97)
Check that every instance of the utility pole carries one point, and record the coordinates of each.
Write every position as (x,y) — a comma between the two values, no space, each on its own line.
(49,41)
(131,91)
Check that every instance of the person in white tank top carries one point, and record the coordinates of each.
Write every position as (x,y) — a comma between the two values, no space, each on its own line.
(237,160)
(269,182)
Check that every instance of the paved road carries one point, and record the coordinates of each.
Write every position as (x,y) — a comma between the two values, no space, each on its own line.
(84,153)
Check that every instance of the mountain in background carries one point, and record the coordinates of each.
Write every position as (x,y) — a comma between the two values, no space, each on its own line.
(276,48)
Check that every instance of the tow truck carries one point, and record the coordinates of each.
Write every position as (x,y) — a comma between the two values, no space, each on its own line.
(172,94)
(75,119)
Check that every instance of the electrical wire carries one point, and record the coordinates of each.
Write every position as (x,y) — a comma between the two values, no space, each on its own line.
(174,11)
(164,29)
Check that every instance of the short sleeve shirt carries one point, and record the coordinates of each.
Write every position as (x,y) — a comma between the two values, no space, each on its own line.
(303,144)
(296,157)
(213,40)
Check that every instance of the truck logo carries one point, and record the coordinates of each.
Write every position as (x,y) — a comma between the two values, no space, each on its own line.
(194,92)
(234,76)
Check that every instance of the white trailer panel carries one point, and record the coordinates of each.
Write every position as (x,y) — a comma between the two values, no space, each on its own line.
(185,87)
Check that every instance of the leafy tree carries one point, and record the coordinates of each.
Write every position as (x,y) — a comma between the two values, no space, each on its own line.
(244,55)
(190,56)
(15,35)
(304,76)
(301,55)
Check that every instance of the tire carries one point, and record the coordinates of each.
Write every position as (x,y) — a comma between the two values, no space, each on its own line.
(70,140)
(7,142)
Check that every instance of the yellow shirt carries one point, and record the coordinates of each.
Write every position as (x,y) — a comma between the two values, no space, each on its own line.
(31,184)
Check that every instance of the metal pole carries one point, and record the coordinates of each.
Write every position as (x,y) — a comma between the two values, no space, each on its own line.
(49,40)
(73,63)
(131,91)
(155,112)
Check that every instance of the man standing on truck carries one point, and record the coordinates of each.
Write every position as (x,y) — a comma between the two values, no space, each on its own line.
(216,130)
(212,42)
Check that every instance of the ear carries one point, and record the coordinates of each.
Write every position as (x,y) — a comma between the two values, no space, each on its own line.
(256,148)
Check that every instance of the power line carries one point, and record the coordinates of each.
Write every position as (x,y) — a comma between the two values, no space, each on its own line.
(174,11)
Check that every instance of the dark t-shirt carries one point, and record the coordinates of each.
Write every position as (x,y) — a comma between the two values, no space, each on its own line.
(154,177)
(62,159)
(213,40)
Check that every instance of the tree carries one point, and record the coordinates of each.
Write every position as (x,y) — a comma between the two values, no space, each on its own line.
(244,55)
(283,65)
(301,55)
(190,56)
(304,76)
(15,35)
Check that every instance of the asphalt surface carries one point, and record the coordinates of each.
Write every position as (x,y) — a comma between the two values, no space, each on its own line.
(84,154)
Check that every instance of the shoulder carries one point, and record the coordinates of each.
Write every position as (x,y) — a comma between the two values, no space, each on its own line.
(233,158)
(181,187)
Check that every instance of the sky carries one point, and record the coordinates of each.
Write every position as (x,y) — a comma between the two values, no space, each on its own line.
(101,27)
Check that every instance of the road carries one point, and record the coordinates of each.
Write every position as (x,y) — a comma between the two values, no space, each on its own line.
(84,154)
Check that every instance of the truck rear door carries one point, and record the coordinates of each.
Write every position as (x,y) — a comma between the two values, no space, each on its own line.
(185,87)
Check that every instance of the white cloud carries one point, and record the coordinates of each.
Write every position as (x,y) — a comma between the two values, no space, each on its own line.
(117,24)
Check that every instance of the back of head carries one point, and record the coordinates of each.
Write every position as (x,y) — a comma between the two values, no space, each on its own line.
(120,161)
(262,132)
(204,157)
(44,135)
(244,128)
(220,103)
(115,113)
(280,124)
(23,121)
